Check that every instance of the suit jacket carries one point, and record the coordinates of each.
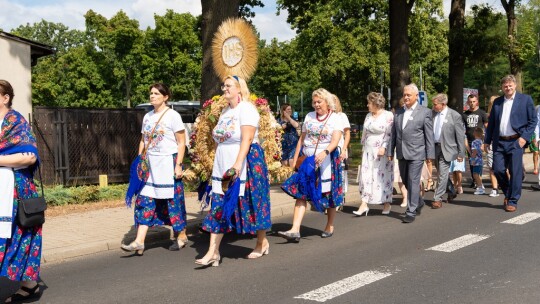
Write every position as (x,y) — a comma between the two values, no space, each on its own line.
(522,118)
(415,141)
(452,135)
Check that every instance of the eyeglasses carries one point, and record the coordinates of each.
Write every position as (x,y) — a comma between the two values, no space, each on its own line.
(226,86)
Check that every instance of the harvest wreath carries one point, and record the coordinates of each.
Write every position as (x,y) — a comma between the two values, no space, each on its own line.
(203,146)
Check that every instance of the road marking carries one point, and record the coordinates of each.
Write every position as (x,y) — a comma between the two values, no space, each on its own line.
(341,287)
(523,219)
(459,243)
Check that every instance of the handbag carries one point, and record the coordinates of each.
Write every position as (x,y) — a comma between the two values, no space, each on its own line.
(31,211)
(301,158)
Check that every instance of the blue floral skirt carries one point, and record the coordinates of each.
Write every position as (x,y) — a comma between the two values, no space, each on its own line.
(20,256)
(331,199)
(158,212)
(253,210)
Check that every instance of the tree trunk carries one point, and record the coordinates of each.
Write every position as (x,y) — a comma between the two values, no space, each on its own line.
(513,57)
(214,12)
(456,64)
(399,12)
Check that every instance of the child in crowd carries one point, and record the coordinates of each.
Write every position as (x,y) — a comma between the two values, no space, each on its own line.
(476,160)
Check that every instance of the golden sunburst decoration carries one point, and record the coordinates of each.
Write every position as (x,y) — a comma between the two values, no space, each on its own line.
(234,49)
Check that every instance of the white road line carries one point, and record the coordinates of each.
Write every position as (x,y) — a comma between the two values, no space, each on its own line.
(341,287)
(523,219)
(459,243)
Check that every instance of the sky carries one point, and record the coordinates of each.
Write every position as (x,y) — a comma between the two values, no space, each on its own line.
(71,13)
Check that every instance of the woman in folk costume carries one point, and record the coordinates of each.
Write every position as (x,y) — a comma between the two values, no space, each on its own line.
(319,178)
(20,248)
(161,200)
(245,206)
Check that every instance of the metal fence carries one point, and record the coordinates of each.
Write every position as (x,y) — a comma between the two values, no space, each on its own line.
(78,145)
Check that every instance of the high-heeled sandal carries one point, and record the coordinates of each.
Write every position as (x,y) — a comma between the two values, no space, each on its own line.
(430,185)
(32,293)
(178,244)
(256,255)
(360,212)
(385,212)
(134,246)
(214,261)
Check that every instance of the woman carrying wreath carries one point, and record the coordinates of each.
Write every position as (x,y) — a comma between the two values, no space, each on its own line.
(239,157)
(20,248)
(161,200)
(318,180)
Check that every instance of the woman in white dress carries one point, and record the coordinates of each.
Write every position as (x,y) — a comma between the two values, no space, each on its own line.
(376,184)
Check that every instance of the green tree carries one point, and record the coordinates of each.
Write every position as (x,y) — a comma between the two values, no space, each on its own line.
(56,35)
(120,42)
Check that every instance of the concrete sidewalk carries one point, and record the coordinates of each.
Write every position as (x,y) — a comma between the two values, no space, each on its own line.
(79,234)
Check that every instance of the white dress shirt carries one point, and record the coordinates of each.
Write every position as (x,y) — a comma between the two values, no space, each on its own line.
(408,113)
(505,128)
(439,119)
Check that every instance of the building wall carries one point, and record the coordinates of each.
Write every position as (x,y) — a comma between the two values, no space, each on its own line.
(15,67)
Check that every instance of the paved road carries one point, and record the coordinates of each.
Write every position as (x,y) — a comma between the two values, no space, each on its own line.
(374,259)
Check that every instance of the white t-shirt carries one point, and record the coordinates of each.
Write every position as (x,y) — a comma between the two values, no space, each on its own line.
(163,140)
(227,134)
(313,127)
(345,124)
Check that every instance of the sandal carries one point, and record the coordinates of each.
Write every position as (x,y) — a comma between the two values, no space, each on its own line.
(430,185)
(178,244)
(32,293)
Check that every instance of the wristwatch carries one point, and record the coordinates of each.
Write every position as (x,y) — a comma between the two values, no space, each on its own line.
(326,151)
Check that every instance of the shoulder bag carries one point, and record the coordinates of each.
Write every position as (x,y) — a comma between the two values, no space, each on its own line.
(31,211)
(301,158)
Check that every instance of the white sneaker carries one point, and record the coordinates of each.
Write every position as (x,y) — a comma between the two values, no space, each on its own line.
(494,193)
(479,191)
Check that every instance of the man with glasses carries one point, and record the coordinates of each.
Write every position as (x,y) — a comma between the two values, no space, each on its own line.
(472,118)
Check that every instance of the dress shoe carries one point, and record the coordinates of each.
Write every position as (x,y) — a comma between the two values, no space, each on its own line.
(325,234)
(436,205)
(290,236)
(535,187)
(214,261)
(359,212)
(451,196)
(134,246)
(178,244)
(256,255)
(407,219)
(510,208)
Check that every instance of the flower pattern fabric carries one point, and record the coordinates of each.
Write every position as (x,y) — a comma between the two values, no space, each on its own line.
(331,199)
(377,172)
(158,212)
(253,210)
(20,256)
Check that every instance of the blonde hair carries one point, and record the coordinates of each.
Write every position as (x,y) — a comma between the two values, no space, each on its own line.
(337,104)
(326,96)
(241,84)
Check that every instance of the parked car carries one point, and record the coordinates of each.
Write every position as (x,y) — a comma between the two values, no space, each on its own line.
(187,109)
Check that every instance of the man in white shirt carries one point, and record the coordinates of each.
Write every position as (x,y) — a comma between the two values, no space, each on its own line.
(449,138)
(511,124)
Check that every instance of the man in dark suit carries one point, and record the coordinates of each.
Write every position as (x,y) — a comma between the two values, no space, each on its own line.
(511,124)
(449,137)
(412,140)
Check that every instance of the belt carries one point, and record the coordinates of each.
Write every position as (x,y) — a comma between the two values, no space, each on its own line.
(511,137)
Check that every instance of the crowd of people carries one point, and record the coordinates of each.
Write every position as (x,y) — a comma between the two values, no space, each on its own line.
(399,147)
